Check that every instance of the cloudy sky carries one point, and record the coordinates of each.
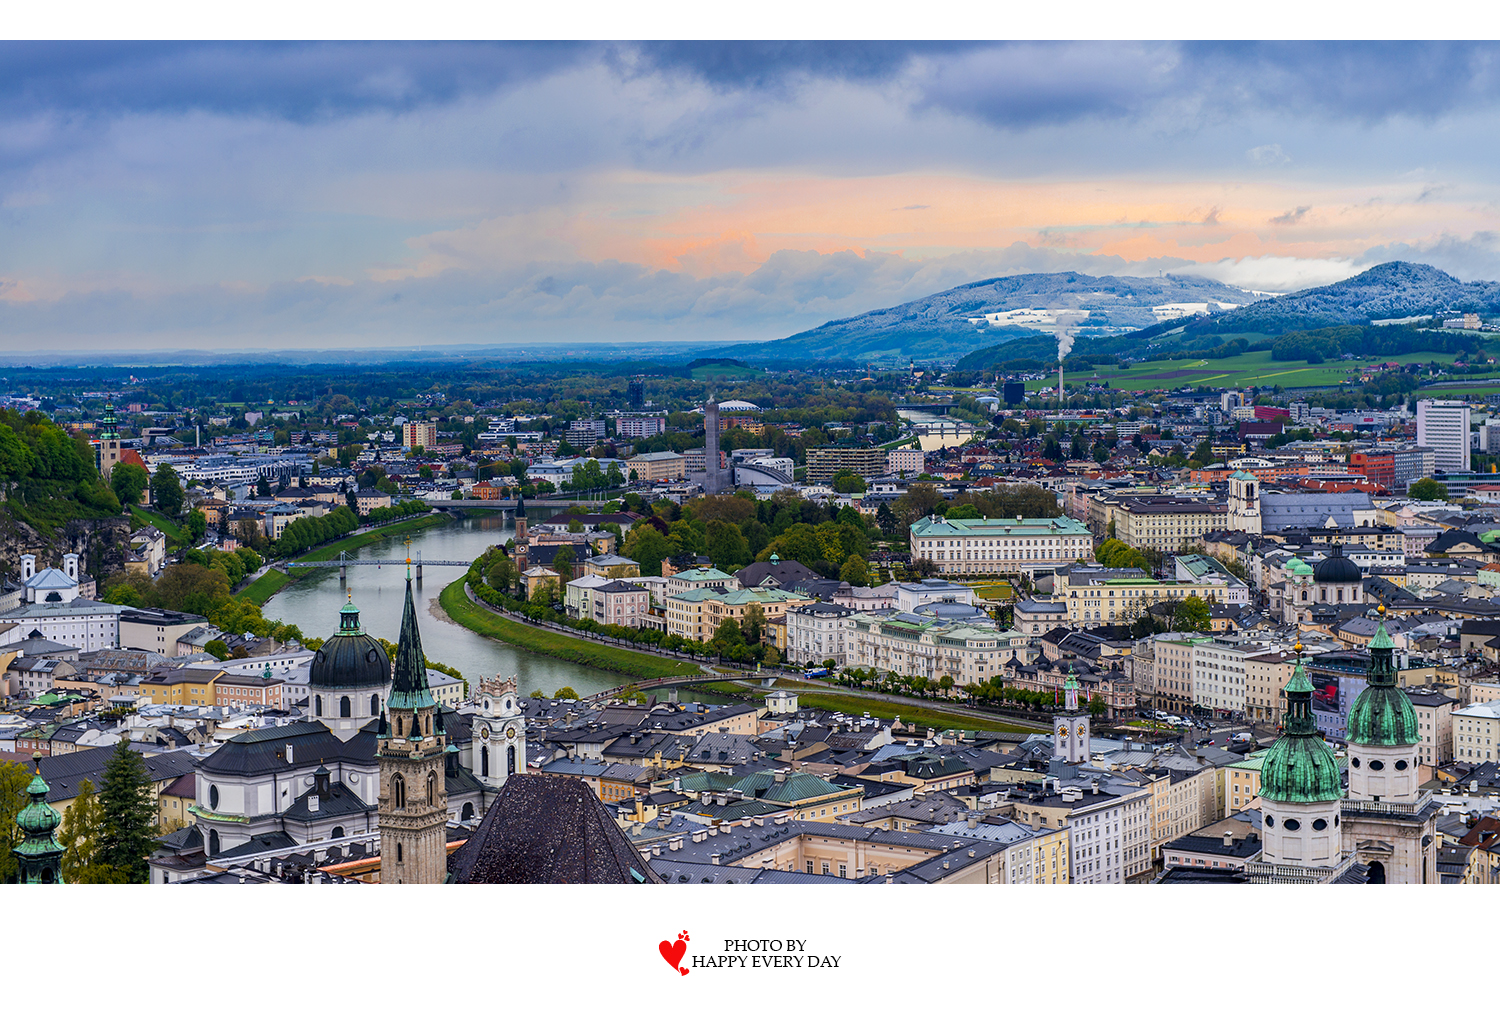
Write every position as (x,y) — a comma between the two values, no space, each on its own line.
(328,195)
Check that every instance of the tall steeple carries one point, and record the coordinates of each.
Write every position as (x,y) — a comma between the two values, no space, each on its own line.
(1070,739)
(38,855)
(410,746)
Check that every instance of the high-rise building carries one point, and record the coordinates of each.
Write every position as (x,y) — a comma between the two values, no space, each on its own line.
(636,391)
(1443,426)
(1014,392)
(418,435)
(713,474)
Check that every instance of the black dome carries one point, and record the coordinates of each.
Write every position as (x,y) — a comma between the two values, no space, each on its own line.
(1337,569)
(350,658)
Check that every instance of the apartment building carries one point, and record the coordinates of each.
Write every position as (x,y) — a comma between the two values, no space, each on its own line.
(899,461)
(1100,595)
(1166,523)
(824,462)
(1108,823)
(818,632)
(1173,670)
(644,425)
(1476,732)
(1219,674)
(621,603)
(1434,723)
(697,613)
(419,435)
(915,646)
(1000,546)
(1266,674)
(1443,426)
(656,467)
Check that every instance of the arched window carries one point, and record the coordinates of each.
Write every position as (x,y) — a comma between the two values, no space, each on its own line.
(374,705)
(398,727)
(398,853)
(510,759)
(432,788)
(47,876)
(317,705)
(467,813)
(1304,595)
(484,761)
(346,708)
(213,843)
(398,791)
(337,832)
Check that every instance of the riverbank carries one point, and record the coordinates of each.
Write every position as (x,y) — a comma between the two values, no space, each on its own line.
(275,580)
(478,619)
(937,717)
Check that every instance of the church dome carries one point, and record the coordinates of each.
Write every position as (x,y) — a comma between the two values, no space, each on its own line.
(1382,714)
(1299,767)
(1337,569)
(350,658)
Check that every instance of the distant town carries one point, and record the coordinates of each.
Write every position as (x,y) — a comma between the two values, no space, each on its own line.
(907,623)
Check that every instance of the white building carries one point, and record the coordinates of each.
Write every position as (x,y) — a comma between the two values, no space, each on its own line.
(1476,733)
(1443,426)
(1000,546)
(818,632)
(84,624)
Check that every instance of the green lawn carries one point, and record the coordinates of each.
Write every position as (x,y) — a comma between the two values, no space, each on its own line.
(550,643)
(265,587)
(150,518)
(351,543)
(1246,369)
(995,591)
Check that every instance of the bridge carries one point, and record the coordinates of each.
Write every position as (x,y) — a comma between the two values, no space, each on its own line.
(509,504)
(344,561)
(940,408)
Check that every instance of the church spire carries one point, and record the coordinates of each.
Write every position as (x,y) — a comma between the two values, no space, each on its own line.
(409,688)
(38,855)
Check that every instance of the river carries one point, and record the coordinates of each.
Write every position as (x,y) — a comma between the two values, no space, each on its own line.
(379,591)
(934,431)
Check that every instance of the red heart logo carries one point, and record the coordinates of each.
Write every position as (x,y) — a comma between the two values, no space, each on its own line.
(672,952)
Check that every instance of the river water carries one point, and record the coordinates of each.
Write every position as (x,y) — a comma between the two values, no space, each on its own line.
(939,431)
(379,591)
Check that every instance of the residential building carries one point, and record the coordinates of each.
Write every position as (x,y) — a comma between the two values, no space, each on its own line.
(697,613)
(620,603)
(1000,546)
(156,630)
(1173,670)
(1266,674)
(640,425)
(1108,822)
(1102,595)
(1443,426)
(816,632)
(900,461)
(1434,725)
(1167,523)
(1243,779)
(419,434)
(1476,733)
(922,646)
(826,461)
(656,467)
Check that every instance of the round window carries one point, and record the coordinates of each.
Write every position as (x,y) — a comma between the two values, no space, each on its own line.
(1354,762)
(1401,763)
(1291,824)
(1271,821)
(1377,764)
(213,797)
(1320,824)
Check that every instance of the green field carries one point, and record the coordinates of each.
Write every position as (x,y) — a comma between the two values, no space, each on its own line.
(150,518)
(563,647)
(995,591)
(265,587)
(1236,371)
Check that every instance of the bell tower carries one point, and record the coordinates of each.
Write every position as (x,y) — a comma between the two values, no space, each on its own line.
(1244,502)
(499,733)
(109,441)
(38,855)
(410,745)
(1070,728)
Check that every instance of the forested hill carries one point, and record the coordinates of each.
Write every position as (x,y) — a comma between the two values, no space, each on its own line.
(1396,289)
(939,326)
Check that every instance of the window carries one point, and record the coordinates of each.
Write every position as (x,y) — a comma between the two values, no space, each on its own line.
(398,793)
(345,707)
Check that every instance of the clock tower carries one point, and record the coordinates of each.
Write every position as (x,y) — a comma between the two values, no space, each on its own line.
(499,733)
(1070,728)
(411,746)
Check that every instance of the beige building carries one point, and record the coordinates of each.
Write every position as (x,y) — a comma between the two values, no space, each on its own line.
(419,435)
(1181,801)
(968,653)
(1244,782)
(823,463)
(697,613)
(1476,732)
(1173,670)
(657,467)
(1166,523)
(1092,597)
(1000,546)
(1435,725)
(1265,675)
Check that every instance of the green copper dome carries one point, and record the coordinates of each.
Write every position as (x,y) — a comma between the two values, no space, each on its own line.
(1382,714)
(1299,767)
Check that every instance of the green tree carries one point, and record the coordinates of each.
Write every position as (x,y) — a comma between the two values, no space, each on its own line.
(886,519)
(963,511)
(544,593)
(755,623)
(501,574)
(562,563)
(726,546)
(217,648)
(565,692)
(14,779)
(847,481)
(196,525)
(166,491)
(129,481)
(1191,614)
(1096,706)
(854,571)
(1427,489)
(79,836)
(192,588)
(646,544)
(127,828)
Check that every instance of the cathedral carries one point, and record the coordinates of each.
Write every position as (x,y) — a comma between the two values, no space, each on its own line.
(1383,829)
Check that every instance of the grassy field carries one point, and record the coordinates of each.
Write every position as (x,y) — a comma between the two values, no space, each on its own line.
(910,712)
(563,647)
(995,591)
(1246,369)
(150,518)
(265,587)
(349,543)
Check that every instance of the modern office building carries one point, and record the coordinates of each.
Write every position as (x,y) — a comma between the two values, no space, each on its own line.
(1443,426)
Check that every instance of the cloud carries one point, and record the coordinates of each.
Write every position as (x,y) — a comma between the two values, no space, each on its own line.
(1291,218)
(1267,155)
(1473,259)
(1277,274)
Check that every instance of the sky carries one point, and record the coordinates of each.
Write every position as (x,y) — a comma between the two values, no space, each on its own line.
(327,195)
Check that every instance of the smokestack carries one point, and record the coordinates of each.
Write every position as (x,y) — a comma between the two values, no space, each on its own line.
(1064,347)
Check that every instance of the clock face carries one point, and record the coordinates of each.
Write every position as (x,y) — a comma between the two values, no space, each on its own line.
(1062,731)
(484,733)
(510,732)
(1082,730)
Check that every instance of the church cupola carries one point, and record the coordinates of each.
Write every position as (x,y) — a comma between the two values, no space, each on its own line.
(38,855)
(1382,729)
(1300,787)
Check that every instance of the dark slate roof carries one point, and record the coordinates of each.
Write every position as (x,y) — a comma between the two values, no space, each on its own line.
(64,773)
(340,800)
(409,689)
(1244,848)
(264,750)
(1202,876)
(548,830)
(674,872)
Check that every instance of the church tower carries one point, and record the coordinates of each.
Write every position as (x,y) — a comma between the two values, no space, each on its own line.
(410,745)
(38,855)
(1070,733)
(1389,821)
(499,731)
(1244,502)
(523,541)
(1300,792)
(109,441)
